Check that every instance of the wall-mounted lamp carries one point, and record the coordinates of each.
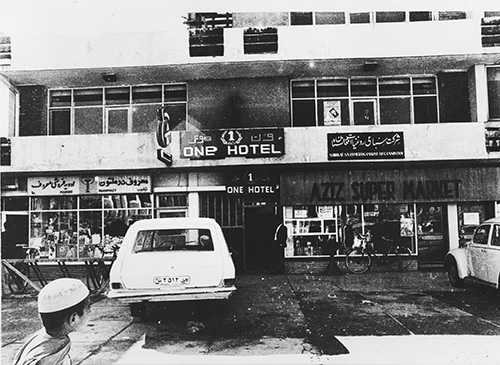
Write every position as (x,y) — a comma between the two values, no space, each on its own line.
(109,76)
(370,66)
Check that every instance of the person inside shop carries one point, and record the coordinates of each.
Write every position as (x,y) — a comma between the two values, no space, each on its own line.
(11,241)
(278,246)
(64,307)
(333,246)
(348,236)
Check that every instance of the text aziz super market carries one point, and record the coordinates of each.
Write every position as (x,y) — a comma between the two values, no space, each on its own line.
(385,190)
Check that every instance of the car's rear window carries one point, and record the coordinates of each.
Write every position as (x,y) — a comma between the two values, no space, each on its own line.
(192,239)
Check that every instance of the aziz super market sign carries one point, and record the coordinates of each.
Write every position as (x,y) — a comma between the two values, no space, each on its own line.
(218,144)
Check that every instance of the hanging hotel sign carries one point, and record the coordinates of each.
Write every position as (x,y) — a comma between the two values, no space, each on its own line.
(82,185)
(218,144)
(345,146)
(253,184)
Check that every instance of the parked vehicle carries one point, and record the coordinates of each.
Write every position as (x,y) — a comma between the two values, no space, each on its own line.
(478,259)
(172,259)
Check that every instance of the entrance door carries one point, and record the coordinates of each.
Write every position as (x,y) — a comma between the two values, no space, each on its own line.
(432,234)
(260,225)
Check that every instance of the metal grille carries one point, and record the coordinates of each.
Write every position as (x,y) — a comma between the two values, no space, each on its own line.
(225,209)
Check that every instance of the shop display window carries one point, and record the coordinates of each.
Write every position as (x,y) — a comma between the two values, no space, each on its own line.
(470,216)
(322,230)
(85,226)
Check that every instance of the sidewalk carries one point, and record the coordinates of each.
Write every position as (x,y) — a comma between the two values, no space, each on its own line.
(377,298)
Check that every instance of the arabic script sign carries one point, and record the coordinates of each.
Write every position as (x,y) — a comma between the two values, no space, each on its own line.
(217,144)
(365,145)
(75,185)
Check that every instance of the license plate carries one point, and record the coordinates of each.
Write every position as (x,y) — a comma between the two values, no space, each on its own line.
(171,280)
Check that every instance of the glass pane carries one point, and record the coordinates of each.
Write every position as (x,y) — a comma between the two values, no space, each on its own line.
(118,95)
(359,18)
(90,234)
(146,94)
(333,112)
(394,86)
(302,89)
(425,109)
(117,120)
(60,122)
(90,201)
(420,16)
(364,87)
(88,121)
(301,18)
(144,118)
(390,16)
(325,17)
(425,85)
(15,203)
(332,88)
(60,97)
(87,97)
(172,200)
(494,92)
(53,203)
(174,93)
(304,114)
(364,113)
(395,111)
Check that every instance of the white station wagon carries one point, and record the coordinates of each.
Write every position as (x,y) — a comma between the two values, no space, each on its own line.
(172,259)
(479,258)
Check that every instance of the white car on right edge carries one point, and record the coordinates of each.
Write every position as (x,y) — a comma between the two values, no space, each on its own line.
(478,259)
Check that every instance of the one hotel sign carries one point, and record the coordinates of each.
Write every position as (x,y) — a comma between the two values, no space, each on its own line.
(220,144)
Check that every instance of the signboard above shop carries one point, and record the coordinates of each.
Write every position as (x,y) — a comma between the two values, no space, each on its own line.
(82,185)
(219,144)
(350,146)
(252,183)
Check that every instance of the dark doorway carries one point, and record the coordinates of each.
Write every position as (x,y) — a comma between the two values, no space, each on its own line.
(432,234)
(260,225)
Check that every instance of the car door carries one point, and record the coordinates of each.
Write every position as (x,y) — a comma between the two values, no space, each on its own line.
(173,258)
(477,253)
(493,255)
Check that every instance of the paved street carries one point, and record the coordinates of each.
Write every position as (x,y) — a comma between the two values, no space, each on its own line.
(292,319)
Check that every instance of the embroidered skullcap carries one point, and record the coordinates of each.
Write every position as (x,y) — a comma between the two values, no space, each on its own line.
(61,294)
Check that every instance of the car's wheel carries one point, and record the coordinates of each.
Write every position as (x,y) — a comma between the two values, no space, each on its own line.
(138,310)
(452,270)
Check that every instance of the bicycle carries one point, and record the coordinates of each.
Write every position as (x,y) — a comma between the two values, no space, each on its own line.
(359,259)
(16,284)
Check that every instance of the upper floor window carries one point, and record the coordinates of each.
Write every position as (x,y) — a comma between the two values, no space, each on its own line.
(364,101)
(493,74)
(206,33)
(5,50)
(126,109)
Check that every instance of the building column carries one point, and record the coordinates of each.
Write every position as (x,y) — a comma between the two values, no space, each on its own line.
(193,204)
(452,210)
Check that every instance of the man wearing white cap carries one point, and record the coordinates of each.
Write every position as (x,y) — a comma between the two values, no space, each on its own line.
(64,307)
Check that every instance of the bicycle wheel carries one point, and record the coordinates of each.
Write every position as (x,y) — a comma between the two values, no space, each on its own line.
(358,261)
(398,258)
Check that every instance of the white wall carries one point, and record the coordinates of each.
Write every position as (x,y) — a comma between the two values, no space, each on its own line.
(7,108)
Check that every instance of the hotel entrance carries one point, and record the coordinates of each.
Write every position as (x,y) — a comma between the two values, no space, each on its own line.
(260,223)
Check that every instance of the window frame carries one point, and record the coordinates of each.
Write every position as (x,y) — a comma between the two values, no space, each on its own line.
(105,106)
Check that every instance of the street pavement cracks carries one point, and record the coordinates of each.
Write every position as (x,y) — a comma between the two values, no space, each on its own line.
(373,318)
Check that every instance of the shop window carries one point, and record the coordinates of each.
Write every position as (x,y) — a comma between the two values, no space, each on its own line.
(326,17)
(390,16)
(322,230)
(493,75)
(86,226)
(258,41)
(301,18)
(333,112)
